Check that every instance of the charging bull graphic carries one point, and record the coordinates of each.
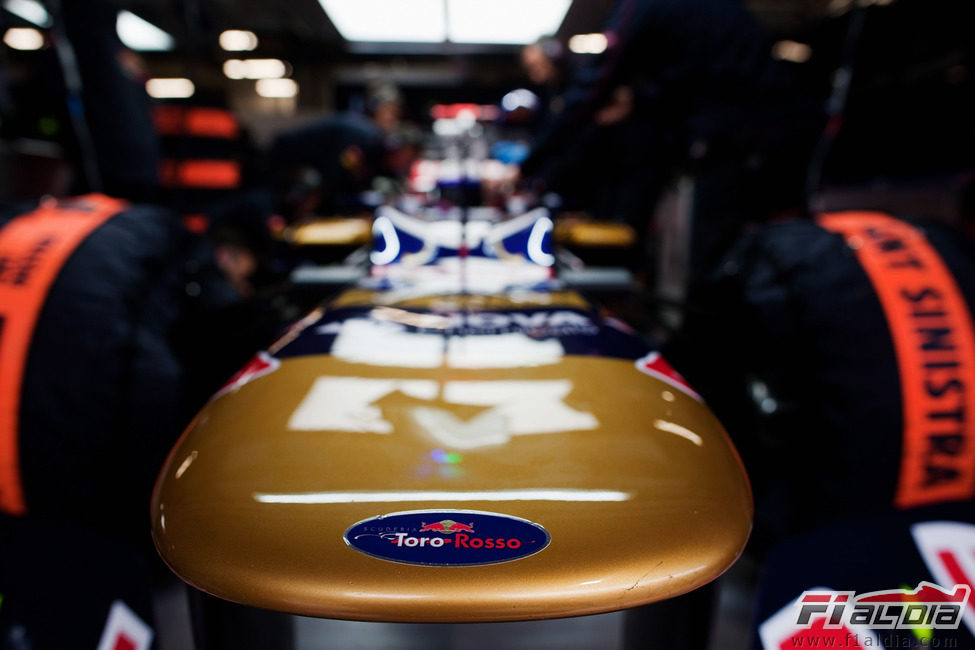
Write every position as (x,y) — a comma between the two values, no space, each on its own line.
(447,527)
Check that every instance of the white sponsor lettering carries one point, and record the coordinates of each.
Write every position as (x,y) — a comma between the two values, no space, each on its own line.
(348,404)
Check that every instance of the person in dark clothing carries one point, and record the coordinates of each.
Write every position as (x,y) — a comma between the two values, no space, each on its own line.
(324,166)
(106,384)
(116,325)
(106,94)
(580,179)
(811,353)
(546,65)
(709,98)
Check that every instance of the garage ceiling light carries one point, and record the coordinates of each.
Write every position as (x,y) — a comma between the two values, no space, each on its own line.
(792,51)
(170,88)
(438,21)
(588,43)
(256,68)
(282,88)
(141,35)
(23,38)
(399,21)
(238,40)
(30,10)
(503,21)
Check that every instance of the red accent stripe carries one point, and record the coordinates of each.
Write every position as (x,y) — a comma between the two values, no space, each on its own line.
(815,598)
(124,643)
(956,572)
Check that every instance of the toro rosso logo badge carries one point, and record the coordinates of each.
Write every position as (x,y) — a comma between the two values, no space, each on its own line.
(447,537)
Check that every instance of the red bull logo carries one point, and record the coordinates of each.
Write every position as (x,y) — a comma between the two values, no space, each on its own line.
(447,527)
(656,366)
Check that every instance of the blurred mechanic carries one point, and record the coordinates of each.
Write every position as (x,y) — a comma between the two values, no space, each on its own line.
(699,79)
(384,106)
(838,352)
(108,346)
(98,297)
(117,147)
(581,177)
(323,168)
(547,67)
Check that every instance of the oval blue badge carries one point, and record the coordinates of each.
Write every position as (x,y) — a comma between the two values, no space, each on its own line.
(447,537)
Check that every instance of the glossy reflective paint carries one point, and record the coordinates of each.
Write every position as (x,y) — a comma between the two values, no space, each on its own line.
(634,481)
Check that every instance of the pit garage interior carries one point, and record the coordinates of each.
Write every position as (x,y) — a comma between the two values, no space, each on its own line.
(894,77)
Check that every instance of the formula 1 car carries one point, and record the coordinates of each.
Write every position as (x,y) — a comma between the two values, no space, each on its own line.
(457,437)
